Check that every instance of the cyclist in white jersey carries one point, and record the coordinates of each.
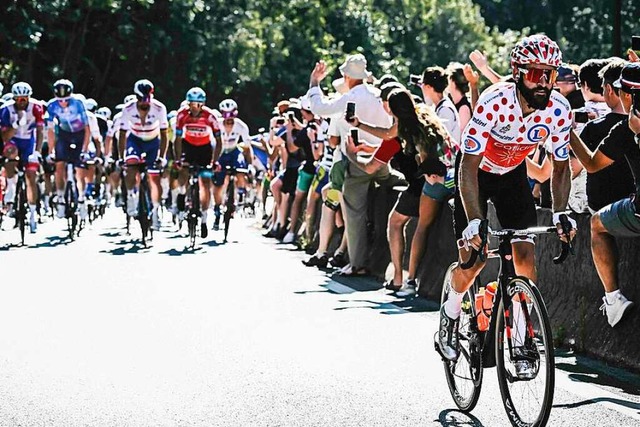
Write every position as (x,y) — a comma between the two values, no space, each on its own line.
(232,132)
(146,121)
(22,123)
(509,121)
(111,152)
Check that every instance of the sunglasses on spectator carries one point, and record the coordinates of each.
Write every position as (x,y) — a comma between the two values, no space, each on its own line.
(534,75)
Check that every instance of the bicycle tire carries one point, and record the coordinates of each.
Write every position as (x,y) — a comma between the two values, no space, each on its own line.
(21,206)
(541,328)
(230,206)
(143,210)
(194,213)
(70,209)
(465,390)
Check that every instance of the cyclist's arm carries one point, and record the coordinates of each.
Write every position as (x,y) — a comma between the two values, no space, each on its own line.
(217,149)
(593,161)
(468,182)
(51,137)
(87,138)
(39,138)
(164,143)
(122,141)
(560,184)
(177,147)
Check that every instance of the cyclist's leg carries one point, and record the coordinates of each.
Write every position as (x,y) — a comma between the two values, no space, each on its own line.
(10,151)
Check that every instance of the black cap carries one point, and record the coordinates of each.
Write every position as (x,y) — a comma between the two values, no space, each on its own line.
(386,90)
(629,77)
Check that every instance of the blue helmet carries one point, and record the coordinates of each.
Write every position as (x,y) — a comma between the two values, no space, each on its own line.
(196,94)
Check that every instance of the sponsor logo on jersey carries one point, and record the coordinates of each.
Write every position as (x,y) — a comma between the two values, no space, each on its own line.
(471,145)
(538,133)
(505,129)
(478,121)
(562,152)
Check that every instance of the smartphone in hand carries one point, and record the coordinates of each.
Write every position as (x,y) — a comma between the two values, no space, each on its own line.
(355,135)
(351,110)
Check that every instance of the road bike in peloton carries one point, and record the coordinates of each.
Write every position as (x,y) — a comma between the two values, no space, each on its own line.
(230,202)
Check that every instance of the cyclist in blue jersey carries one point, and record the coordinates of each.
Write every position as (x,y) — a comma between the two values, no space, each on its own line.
(68,131)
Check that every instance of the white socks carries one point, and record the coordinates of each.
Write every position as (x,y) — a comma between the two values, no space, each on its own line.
(452,306)
(612,296)
(10,192)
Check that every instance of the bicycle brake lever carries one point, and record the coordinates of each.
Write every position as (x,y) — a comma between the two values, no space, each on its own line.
(566,231)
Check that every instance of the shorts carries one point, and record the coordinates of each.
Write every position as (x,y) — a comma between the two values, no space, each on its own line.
(438,192)
(511,197)
(408,204)
(137,148)
(69,147)
(24,148)
(233,158)
(289,178)
(337,173)
(198,155)
(320,179)
(304,181)
(619,218)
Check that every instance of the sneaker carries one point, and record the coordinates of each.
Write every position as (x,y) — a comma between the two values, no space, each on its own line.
(155,220)
(82,210)
(33,224)
(339,260)
(525,369)
(132,204)
(447,340)
(408,288)
(203,230)
(317,261)
(617,310)
(60,210)
(289,238)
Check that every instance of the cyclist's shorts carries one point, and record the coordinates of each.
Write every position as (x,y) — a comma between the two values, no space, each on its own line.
(619,218)
(23,148)
(69,147)
(304,181)
(233,158)
(336,174)
(511,197)
(200,155)
(320,179)
(408,204)
(136,147)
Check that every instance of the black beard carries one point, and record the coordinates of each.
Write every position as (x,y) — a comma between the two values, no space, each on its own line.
(534,101)
(144,107)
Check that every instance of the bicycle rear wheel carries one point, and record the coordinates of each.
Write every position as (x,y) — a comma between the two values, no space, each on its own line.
(527,400)
(464,375)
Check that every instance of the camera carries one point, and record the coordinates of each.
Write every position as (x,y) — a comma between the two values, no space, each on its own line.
(291,117)
(635,43)
(280,121)
(355,135)
(581,116)
(351,110)
(415,79)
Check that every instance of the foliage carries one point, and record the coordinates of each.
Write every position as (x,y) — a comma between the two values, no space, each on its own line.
(262,51)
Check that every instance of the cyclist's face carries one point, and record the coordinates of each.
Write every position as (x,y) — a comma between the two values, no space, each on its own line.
(229,122)
(195,107)
(21,102)
(535,82)
(144,106)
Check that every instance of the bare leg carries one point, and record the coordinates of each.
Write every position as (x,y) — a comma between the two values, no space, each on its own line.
(605,254)
(429,209)
(395,227)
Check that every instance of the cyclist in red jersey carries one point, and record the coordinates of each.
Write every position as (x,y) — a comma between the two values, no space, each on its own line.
(197,127)
(509,121)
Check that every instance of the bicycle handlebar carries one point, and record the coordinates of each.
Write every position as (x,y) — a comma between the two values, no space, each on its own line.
(567,247)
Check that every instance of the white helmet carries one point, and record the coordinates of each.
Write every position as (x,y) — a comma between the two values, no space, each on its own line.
(129,98)
(91,104)
(21,89)
(228,108)
(104,112)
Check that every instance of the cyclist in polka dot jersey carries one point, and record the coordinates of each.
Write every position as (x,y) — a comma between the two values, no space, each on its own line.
(510,120)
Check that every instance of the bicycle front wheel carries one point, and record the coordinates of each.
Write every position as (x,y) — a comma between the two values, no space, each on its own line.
(525,355)
(464,375)
(230,206)
(21,208)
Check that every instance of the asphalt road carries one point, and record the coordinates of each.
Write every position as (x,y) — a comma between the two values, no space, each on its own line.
(103,332)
